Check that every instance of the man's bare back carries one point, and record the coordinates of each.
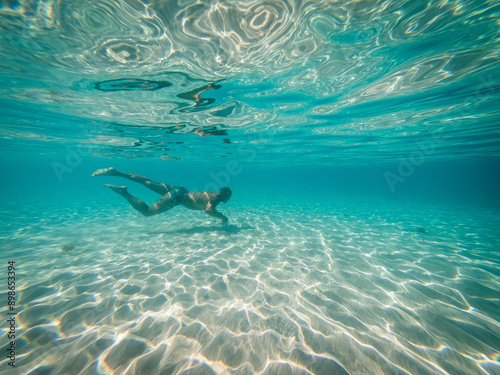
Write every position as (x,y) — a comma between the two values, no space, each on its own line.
(171,195)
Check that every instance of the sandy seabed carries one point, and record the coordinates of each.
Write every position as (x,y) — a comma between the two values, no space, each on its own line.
(347,288)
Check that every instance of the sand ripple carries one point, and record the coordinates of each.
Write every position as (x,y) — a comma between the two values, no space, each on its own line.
(351,290)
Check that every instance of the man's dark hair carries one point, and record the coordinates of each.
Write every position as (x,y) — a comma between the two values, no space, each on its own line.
(225,192)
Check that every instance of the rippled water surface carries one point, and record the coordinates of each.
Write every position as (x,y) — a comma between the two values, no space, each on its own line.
(299,78)
(361,140)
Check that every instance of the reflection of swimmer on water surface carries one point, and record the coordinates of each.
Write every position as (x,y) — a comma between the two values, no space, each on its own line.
(132,84)
(171,195)
(201,132)
(207,132)
(194,95)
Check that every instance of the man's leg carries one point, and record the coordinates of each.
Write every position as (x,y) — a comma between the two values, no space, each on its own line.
(164,204)
(157,187)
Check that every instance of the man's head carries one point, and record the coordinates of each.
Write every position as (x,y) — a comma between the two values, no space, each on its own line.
(224,194)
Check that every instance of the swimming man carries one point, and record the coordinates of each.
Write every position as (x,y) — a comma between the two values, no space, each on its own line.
(171,195)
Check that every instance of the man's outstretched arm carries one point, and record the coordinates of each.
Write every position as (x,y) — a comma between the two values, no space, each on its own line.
(214,213)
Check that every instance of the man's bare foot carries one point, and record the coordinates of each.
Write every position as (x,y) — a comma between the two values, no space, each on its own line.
(117,189)
(105,172)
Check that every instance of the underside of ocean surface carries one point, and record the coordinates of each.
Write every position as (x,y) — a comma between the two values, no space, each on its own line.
(361,143)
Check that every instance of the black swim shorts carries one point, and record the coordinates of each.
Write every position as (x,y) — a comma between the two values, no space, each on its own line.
(177,192)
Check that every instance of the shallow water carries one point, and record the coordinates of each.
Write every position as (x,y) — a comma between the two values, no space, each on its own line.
(367,288)
(360,140)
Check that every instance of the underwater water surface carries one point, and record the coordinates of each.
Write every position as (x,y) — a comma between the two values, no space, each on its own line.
(361,142)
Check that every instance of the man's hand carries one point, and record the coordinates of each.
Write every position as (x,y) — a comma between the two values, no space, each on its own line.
(214,213)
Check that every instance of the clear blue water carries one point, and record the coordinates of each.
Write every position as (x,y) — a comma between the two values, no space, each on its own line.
(361,141)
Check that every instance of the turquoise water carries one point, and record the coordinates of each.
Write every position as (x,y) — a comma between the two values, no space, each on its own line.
(360,140)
